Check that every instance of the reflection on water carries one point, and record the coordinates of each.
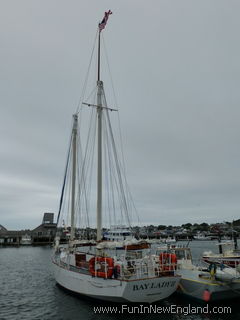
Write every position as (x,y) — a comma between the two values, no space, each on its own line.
(28,291)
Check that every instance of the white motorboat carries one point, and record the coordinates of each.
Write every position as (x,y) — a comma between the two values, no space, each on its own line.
(202,237)
(118,233)
(228,256)
(170,240)
(26,240)
(211,283)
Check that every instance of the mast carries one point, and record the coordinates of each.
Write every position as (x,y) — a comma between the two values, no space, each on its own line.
(74,162)
(99,147)
(101,26)
(99,50)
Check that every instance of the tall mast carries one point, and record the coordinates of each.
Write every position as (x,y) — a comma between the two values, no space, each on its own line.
(99,57)
(101,26)
(74,161)
(99,148)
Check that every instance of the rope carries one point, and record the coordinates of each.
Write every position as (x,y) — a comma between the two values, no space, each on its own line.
(64,182)
(118,170)
(115,171)
(87,75)
(128,193)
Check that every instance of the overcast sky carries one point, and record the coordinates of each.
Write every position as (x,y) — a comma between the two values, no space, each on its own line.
(176,71)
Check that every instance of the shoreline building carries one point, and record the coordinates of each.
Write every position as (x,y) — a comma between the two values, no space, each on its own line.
(42,235)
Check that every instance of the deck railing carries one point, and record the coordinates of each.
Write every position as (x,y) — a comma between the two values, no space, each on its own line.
(127,270)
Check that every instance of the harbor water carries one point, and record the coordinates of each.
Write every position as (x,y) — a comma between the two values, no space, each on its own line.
(29,292)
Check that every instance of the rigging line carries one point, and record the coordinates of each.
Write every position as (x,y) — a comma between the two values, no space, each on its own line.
(111,170)
(64,179)
(113,177)
(90,150)
(126,188)
(120,132)
(87,75)
(118,165)
(69,191)
(87,181)
(118,169)
(111,174)
(87,163)
(115,180)
(129,194)
(64,198)
(82,184)
(130,198)
(91,162)
(90,158)
(106,194)
(79,200)
(91,93)
(79,161)
(78,218)
(106,172)
(124,170)
(115,100)
(63,208)
(110,74)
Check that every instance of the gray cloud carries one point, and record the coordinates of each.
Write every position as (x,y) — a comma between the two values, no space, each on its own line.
(176,71)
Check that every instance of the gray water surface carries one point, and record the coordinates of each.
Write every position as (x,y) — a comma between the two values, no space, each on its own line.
(28,291)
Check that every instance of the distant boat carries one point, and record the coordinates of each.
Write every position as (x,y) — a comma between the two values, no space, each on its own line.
(118,233)
(26,240)
(229,255)
(94,268)
(170,240)
(202,237)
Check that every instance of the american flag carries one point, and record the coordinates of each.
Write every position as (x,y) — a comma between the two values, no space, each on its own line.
(104,20)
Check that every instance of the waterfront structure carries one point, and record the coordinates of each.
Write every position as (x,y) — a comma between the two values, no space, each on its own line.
(46,231)
(12,237)
(26,240)
(41,235)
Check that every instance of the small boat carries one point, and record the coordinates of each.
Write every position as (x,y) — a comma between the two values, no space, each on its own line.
(170,240)
(211,283)
(120,271)
(118,233)
(26,240)
(202,237)
(227,256)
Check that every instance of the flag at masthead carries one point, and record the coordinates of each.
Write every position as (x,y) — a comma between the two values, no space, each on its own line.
(101,26)
(103,23)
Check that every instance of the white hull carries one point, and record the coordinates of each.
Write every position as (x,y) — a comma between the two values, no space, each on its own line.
(201,237)
(141,290)
(26,240)
(26,243)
